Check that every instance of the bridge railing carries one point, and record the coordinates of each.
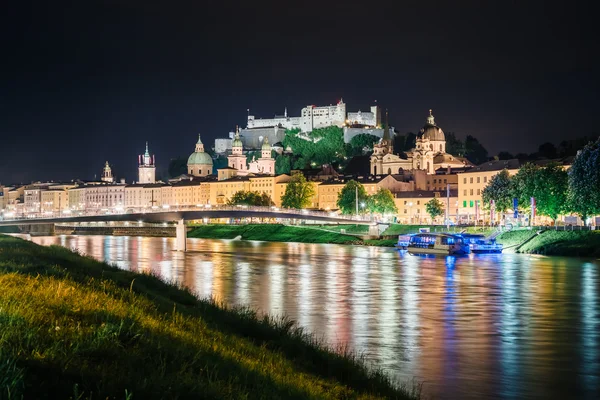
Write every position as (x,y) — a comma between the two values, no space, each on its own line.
(208,208)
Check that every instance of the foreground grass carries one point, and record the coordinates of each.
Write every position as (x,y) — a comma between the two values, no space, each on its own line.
(272,233)
(72,327)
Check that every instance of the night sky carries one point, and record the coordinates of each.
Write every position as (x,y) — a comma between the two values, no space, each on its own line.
(87,81)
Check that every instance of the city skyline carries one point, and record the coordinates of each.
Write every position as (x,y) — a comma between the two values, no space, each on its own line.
(92,82)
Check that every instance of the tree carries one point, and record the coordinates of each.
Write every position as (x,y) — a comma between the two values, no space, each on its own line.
(321,146)
(505,155)
(362,141)
(382,202)
(454,146)
(283,164)
(250,198)
(525,185)
(347,197)
(298,192)
(499,190)
(177,166)
(434,208)
(551,196)
(584,181)
(474,151)
(547,150)
(410,141)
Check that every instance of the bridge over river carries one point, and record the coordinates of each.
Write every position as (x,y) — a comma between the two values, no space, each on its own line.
(192,213)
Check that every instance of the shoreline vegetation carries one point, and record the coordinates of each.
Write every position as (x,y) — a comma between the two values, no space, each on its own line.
(73,327)
(548,242)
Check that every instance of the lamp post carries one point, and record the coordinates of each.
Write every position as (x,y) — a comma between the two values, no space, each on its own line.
(410,204)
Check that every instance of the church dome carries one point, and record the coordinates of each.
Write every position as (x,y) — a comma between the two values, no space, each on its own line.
(199,158)
(237,142)
(431,131)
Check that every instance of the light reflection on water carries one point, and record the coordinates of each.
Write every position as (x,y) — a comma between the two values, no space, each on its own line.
(498,326)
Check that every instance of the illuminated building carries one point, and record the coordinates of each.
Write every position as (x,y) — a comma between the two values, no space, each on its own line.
(412,208)
(472,182)
(429,153)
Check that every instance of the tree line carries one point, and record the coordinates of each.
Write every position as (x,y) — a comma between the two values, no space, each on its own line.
(557,191)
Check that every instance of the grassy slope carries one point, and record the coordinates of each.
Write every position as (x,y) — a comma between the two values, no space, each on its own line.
(512,239)
(72,327)
(560,243)
(274,233)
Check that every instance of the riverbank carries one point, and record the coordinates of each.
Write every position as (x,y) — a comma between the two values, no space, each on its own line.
(563,243)
(72,327)
(284,233)
(555,243)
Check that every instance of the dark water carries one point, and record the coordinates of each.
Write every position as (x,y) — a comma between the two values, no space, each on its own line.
(501,326)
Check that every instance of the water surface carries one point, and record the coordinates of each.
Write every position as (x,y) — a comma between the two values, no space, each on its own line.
(499,326)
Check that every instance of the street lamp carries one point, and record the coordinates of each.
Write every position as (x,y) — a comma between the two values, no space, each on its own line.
(410,204)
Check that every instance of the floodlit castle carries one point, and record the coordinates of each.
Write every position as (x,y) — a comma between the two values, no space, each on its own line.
(429,153)
(311,117)
(146,167)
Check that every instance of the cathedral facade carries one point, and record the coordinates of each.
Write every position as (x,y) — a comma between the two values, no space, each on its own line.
(429,153)
(237,160)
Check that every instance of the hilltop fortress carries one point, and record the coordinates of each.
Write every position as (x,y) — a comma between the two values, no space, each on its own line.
(311,117)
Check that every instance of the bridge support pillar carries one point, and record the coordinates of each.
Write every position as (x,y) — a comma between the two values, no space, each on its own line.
(373,230)
(181,239)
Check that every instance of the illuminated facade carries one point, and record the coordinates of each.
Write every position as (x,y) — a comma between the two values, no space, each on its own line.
(429,153)
(472,182)
(412,206)
(265,164)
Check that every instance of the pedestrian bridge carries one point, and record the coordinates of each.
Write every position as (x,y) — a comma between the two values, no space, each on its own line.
(193,213)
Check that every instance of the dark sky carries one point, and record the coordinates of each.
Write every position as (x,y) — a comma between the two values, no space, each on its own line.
(87,81)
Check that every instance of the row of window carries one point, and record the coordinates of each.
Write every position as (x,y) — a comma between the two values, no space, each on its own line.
(485,179)
(471,192)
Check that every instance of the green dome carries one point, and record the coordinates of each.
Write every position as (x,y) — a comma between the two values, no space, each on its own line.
(266,145)
(199,158)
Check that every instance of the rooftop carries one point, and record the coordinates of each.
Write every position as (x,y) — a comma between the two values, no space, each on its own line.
(496,165)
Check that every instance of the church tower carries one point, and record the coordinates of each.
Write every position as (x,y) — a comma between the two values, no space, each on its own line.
(107,174)
(265,164)
(146,167)
(237,160)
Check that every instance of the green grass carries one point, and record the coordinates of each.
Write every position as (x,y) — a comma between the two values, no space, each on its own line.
(74,328)
(272,233)
(349,228)
(511,239)
(564,243)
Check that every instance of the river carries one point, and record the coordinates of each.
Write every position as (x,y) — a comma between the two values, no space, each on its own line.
(499,326)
